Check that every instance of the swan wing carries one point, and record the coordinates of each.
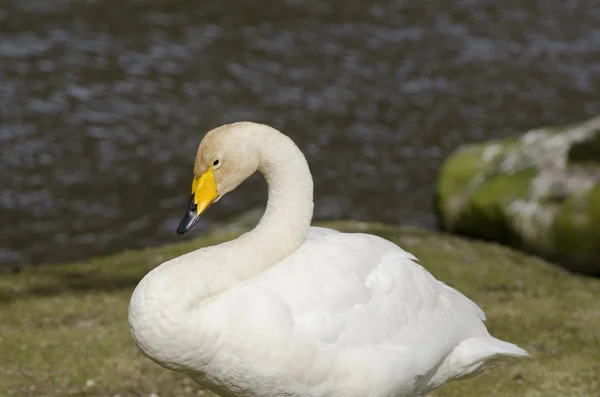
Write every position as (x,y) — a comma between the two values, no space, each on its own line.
(345,310)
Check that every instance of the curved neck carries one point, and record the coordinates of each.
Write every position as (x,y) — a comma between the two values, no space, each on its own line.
(289,210)
(163,301)
(282,228)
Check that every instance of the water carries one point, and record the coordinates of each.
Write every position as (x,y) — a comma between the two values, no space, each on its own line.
(103,103)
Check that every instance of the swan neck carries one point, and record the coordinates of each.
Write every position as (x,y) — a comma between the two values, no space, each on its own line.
(289,209)
(166,300)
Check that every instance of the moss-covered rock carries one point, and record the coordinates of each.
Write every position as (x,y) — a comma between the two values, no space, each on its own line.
(64,331)
(539,193)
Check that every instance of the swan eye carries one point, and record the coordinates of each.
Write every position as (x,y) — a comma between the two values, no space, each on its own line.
(216,162)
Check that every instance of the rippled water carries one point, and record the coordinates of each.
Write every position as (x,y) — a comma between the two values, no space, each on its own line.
(103,103)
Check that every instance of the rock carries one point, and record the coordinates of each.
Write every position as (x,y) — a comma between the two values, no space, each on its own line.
(539,193)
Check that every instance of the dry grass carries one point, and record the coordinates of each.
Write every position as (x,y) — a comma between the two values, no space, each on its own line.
(64,332)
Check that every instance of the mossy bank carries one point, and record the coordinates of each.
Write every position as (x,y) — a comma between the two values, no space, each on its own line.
(64,331)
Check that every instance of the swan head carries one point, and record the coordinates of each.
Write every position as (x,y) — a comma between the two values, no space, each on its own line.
(225,158)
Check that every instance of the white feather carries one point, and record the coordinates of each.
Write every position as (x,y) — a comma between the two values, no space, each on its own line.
(338,314)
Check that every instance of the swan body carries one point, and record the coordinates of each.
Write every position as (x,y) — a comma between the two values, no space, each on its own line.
(293,310)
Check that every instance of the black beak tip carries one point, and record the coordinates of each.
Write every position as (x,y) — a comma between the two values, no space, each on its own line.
(188,222)
(189,219)
(181,230)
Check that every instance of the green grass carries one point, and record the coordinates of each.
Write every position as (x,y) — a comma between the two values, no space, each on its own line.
(64,332)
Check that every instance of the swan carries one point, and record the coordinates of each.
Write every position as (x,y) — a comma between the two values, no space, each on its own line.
(292,310)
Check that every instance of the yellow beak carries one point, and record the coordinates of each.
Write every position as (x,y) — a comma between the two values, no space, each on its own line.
(204,193)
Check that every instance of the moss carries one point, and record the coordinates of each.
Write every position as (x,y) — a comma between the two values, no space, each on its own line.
(64,328)
(456,174)
(462,173)
(576,231)
(487,214)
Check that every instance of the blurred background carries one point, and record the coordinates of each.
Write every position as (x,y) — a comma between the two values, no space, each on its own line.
(103,104)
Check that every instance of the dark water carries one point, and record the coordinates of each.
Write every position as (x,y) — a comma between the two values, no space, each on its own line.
(103,103)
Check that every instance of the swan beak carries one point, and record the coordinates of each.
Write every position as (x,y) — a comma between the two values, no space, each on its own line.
(204,193)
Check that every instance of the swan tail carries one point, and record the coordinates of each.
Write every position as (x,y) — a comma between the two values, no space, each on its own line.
(475,355)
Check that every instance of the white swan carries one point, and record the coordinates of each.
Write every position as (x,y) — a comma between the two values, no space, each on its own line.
(293,310)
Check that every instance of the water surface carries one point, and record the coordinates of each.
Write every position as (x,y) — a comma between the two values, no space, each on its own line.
(103,103)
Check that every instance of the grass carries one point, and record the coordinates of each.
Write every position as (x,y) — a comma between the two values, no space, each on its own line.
(64,332)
